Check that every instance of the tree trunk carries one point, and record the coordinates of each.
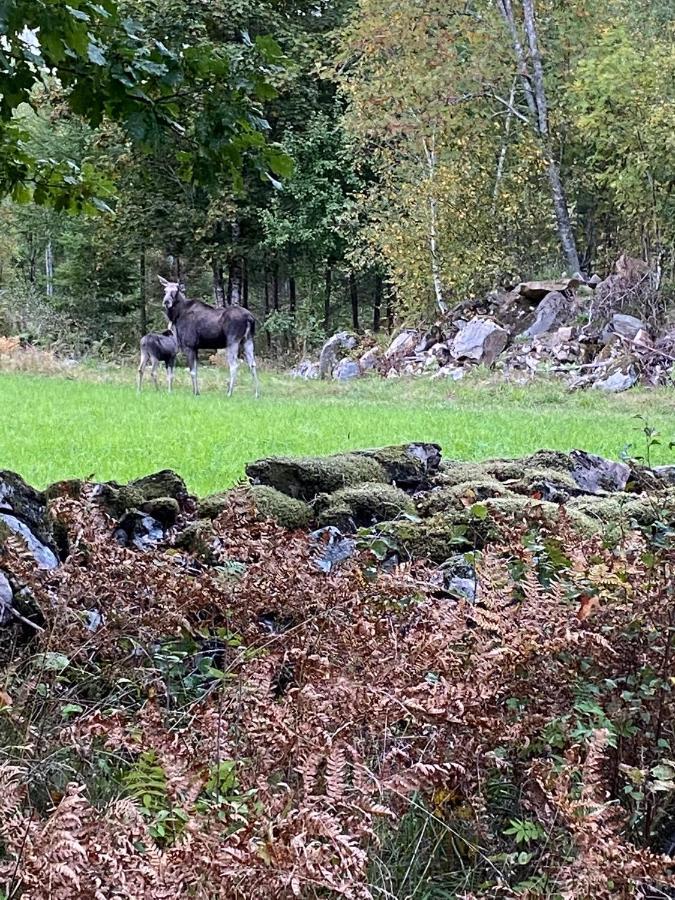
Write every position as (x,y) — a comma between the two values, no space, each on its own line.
(235,280)
(179,271)
(244,294)
(275,287)
(430,153)
(32,259)
(535,94)
(267,305)
(377,303)
(354,298)
(505,143)
(565,230)
(235,269)
(49,268)
(218,284)
(390,311)
(292,295)
(142,293)
(326,299)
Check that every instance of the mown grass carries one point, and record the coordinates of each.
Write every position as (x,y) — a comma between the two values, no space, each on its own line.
(94,423)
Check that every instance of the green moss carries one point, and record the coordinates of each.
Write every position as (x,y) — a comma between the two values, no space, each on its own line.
(119,498)
(458,496)
(307,477)
(211,507)
(453,530)
(272,504)
(619,512)
(361,506)
(197,539)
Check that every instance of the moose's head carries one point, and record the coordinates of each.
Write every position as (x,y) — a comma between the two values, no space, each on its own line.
(174,291)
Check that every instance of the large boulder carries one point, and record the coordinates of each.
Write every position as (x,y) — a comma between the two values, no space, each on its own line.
(333,349)
(304,478)
(552,310)
(409,466)
(481,340)
(286,511)
(306,369)
(370,359)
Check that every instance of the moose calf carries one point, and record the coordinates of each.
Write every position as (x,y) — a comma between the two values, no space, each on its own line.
(157,348)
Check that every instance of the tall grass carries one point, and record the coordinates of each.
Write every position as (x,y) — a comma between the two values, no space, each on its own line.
(97,425)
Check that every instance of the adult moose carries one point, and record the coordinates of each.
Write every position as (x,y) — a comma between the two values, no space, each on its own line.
(199,326)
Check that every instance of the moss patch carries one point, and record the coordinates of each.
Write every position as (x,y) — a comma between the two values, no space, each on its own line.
(362,506)
(272,504)
(307,477)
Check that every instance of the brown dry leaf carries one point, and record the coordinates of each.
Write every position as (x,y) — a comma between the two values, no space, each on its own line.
(587,605)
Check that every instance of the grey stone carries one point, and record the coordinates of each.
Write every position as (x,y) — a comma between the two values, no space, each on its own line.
(26,504)
(343,340)
(597,475)
(481,340)
(617,382)
(346,369)
(537,290)
(6,598)
(43,555)
(369,359)
(665,473)
(552,310)
(333,547)
(403,344)
(137,530)
(627,326)
(94,620)
(305,369)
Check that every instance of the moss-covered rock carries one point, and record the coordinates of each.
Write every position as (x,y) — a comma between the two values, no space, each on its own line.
(307,477)
(211,507)
(120,498)
(198,538)
(409,466)
(71,487)
(272,504)
(619,512)
(164,509)
(452,530)
(459,496)
(364,505)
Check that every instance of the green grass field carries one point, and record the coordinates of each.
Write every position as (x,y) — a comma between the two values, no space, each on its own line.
(96,425)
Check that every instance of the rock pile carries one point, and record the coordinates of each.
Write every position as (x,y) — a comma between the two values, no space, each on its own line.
(405,500)
(591,332)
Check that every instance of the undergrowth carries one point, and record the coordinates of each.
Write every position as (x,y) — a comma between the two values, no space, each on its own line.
(260,729)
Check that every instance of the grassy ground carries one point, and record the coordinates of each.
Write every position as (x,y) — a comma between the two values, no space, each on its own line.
(96,424)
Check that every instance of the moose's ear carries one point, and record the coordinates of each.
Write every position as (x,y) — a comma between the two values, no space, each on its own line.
(181,287)
(162,281)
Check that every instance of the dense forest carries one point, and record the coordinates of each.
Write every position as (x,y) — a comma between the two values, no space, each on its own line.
(356,162)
